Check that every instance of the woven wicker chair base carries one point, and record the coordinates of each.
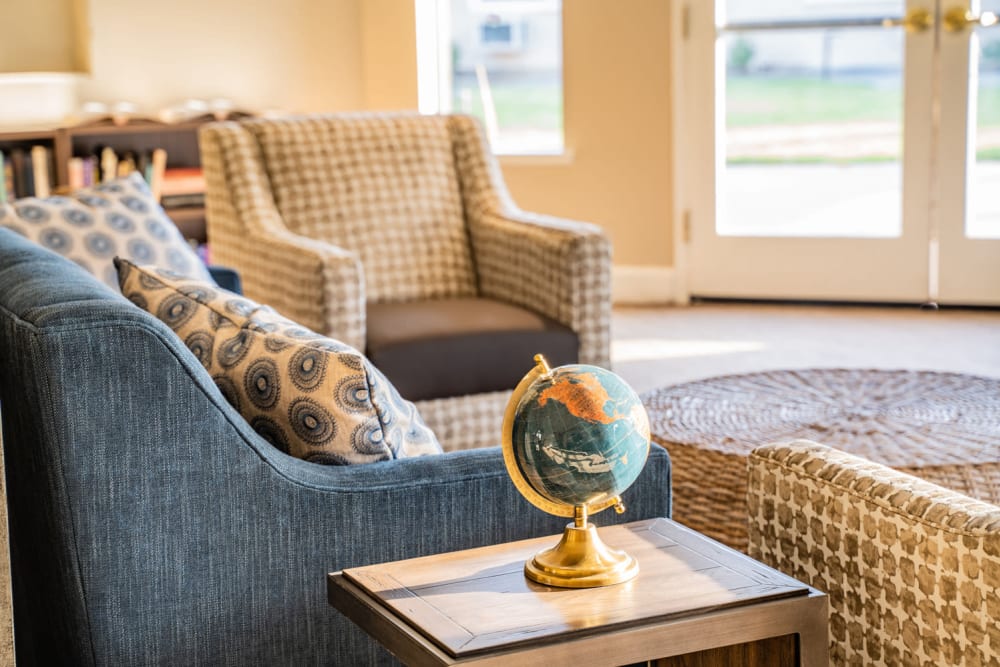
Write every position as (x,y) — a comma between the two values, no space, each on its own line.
(942,427)
(467,422)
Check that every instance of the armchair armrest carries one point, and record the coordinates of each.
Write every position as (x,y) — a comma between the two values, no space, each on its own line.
(316,284)
(560,268)
(910,567)
(556,267)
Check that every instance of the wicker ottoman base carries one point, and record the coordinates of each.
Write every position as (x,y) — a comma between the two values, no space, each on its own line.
(943,427)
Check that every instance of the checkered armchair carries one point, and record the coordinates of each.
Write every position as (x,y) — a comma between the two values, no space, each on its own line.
(912,569)
(330,217)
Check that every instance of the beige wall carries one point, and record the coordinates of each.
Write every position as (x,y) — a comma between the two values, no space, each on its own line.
(298,55)
(616,64)
(389,54)
(41,36)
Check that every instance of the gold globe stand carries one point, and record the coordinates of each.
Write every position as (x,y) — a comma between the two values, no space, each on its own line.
(580,559)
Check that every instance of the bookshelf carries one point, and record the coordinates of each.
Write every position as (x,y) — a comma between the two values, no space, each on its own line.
(180,141)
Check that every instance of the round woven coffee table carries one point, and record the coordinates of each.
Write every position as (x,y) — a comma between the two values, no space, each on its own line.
(943,427)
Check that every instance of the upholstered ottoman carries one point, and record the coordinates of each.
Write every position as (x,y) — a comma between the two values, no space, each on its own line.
(943,427)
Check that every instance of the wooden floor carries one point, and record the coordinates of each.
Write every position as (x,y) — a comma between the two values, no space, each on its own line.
(653,347)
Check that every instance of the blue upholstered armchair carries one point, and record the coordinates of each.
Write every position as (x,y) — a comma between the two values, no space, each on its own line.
(150,525)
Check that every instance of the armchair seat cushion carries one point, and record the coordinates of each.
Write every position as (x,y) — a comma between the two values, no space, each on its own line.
(453,347)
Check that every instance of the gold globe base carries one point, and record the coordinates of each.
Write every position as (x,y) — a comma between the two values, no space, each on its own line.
(581,560)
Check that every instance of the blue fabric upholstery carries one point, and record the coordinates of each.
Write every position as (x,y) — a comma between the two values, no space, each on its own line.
(151,525)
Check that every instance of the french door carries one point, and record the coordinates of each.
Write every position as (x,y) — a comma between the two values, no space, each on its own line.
(840,149)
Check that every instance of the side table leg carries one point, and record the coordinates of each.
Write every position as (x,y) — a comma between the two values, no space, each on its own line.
(814,638)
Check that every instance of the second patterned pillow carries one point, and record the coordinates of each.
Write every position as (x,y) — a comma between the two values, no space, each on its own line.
(310,396)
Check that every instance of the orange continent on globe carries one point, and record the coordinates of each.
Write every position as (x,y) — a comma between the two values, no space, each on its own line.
(583,395)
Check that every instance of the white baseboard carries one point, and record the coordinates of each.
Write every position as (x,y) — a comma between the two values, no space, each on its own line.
(635,285)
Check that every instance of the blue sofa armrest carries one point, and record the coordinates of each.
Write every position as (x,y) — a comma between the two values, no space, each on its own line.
(150,525)
(226,278)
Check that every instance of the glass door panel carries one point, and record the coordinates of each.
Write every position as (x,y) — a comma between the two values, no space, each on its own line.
(967,220)
(852,152)
(810,179)
(983,218)
(810,111)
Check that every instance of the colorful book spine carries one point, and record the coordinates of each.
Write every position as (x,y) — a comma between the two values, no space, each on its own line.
(74,173)
(40,171)
(144,165)
(28,177)
(8,179)
(159,167)
(127,164)
(109,164)
(91,176)
(18,176)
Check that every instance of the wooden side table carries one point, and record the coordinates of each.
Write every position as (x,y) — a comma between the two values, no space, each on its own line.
(695,602)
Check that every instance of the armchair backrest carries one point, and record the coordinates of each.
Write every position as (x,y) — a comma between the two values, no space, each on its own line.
(389,187)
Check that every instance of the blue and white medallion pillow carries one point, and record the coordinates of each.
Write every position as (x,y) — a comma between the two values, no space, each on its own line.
(93,225)
(312,397)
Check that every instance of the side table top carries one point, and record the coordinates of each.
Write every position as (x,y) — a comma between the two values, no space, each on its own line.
(477,600)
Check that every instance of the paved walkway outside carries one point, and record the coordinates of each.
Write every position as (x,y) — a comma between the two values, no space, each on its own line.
(795,199)
(855,200)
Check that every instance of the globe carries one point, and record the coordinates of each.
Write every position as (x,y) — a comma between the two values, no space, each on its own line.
(575,438)
(580,435)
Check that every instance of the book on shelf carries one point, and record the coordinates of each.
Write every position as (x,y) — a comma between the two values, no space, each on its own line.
(40,171)
(109,164)
(104,164)
(91,175)
(26,172)
(8,179)
(183,181)
(157,168)
(17,163)
(75,173)
(26,188)
(189,200)
(127,164)
(23,179)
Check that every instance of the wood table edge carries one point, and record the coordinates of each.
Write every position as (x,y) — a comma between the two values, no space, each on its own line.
(805,616)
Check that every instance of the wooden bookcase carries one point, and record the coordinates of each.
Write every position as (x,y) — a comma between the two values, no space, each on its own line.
(180,141)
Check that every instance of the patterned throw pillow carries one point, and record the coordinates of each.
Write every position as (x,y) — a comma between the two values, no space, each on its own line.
(310,396)
(93,225)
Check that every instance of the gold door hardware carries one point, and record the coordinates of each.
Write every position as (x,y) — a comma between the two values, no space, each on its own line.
(916,20)
(957,19)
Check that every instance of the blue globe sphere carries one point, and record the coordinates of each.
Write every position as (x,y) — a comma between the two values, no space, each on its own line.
(580,435)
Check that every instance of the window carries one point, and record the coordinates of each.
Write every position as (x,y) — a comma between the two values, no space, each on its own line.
(499,60)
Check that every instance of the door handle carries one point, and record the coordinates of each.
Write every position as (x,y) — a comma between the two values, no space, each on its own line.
(959,19)
(916,20)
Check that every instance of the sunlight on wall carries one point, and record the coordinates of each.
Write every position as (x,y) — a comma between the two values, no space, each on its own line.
(641,349)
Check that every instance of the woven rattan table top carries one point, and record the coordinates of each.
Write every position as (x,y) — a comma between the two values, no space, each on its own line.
(943,427)
(903,419)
